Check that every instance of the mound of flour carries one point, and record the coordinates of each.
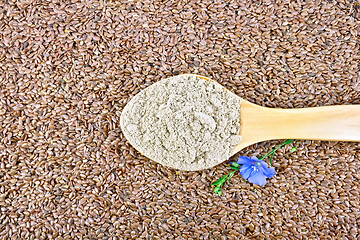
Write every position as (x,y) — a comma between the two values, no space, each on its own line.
(184,122)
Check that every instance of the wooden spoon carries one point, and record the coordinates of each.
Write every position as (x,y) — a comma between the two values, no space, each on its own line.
(331,123)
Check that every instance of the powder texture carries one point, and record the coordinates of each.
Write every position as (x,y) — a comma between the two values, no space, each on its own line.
(184,122)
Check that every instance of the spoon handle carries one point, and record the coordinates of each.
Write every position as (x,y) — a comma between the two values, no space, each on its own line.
(332,123)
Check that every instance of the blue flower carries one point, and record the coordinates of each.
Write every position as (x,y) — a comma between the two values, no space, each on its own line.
(255,170)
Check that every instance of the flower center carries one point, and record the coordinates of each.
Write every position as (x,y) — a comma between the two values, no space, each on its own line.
(257,163)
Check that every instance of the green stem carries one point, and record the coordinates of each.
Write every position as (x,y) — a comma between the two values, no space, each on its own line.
(274,150)
(271,159)
(219,183)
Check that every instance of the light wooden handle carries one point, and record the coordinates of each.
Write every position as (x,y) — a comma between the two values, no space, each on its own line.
(333,123)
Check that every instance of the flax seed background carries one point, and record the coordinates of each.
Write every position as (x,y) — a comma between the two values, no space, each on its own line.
(67,68)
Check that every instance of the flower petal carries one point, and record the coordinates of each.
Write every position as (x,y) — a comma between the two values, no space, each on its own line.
(246,171)
(245,160)
(268,172)
(257,178)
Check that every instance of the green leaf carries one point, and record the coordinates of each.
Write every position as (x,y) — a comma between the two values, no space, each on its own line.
(236,164)
(294,148)
(288,141)
(235,168)
(221,180)
(218,190)
(231,174)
